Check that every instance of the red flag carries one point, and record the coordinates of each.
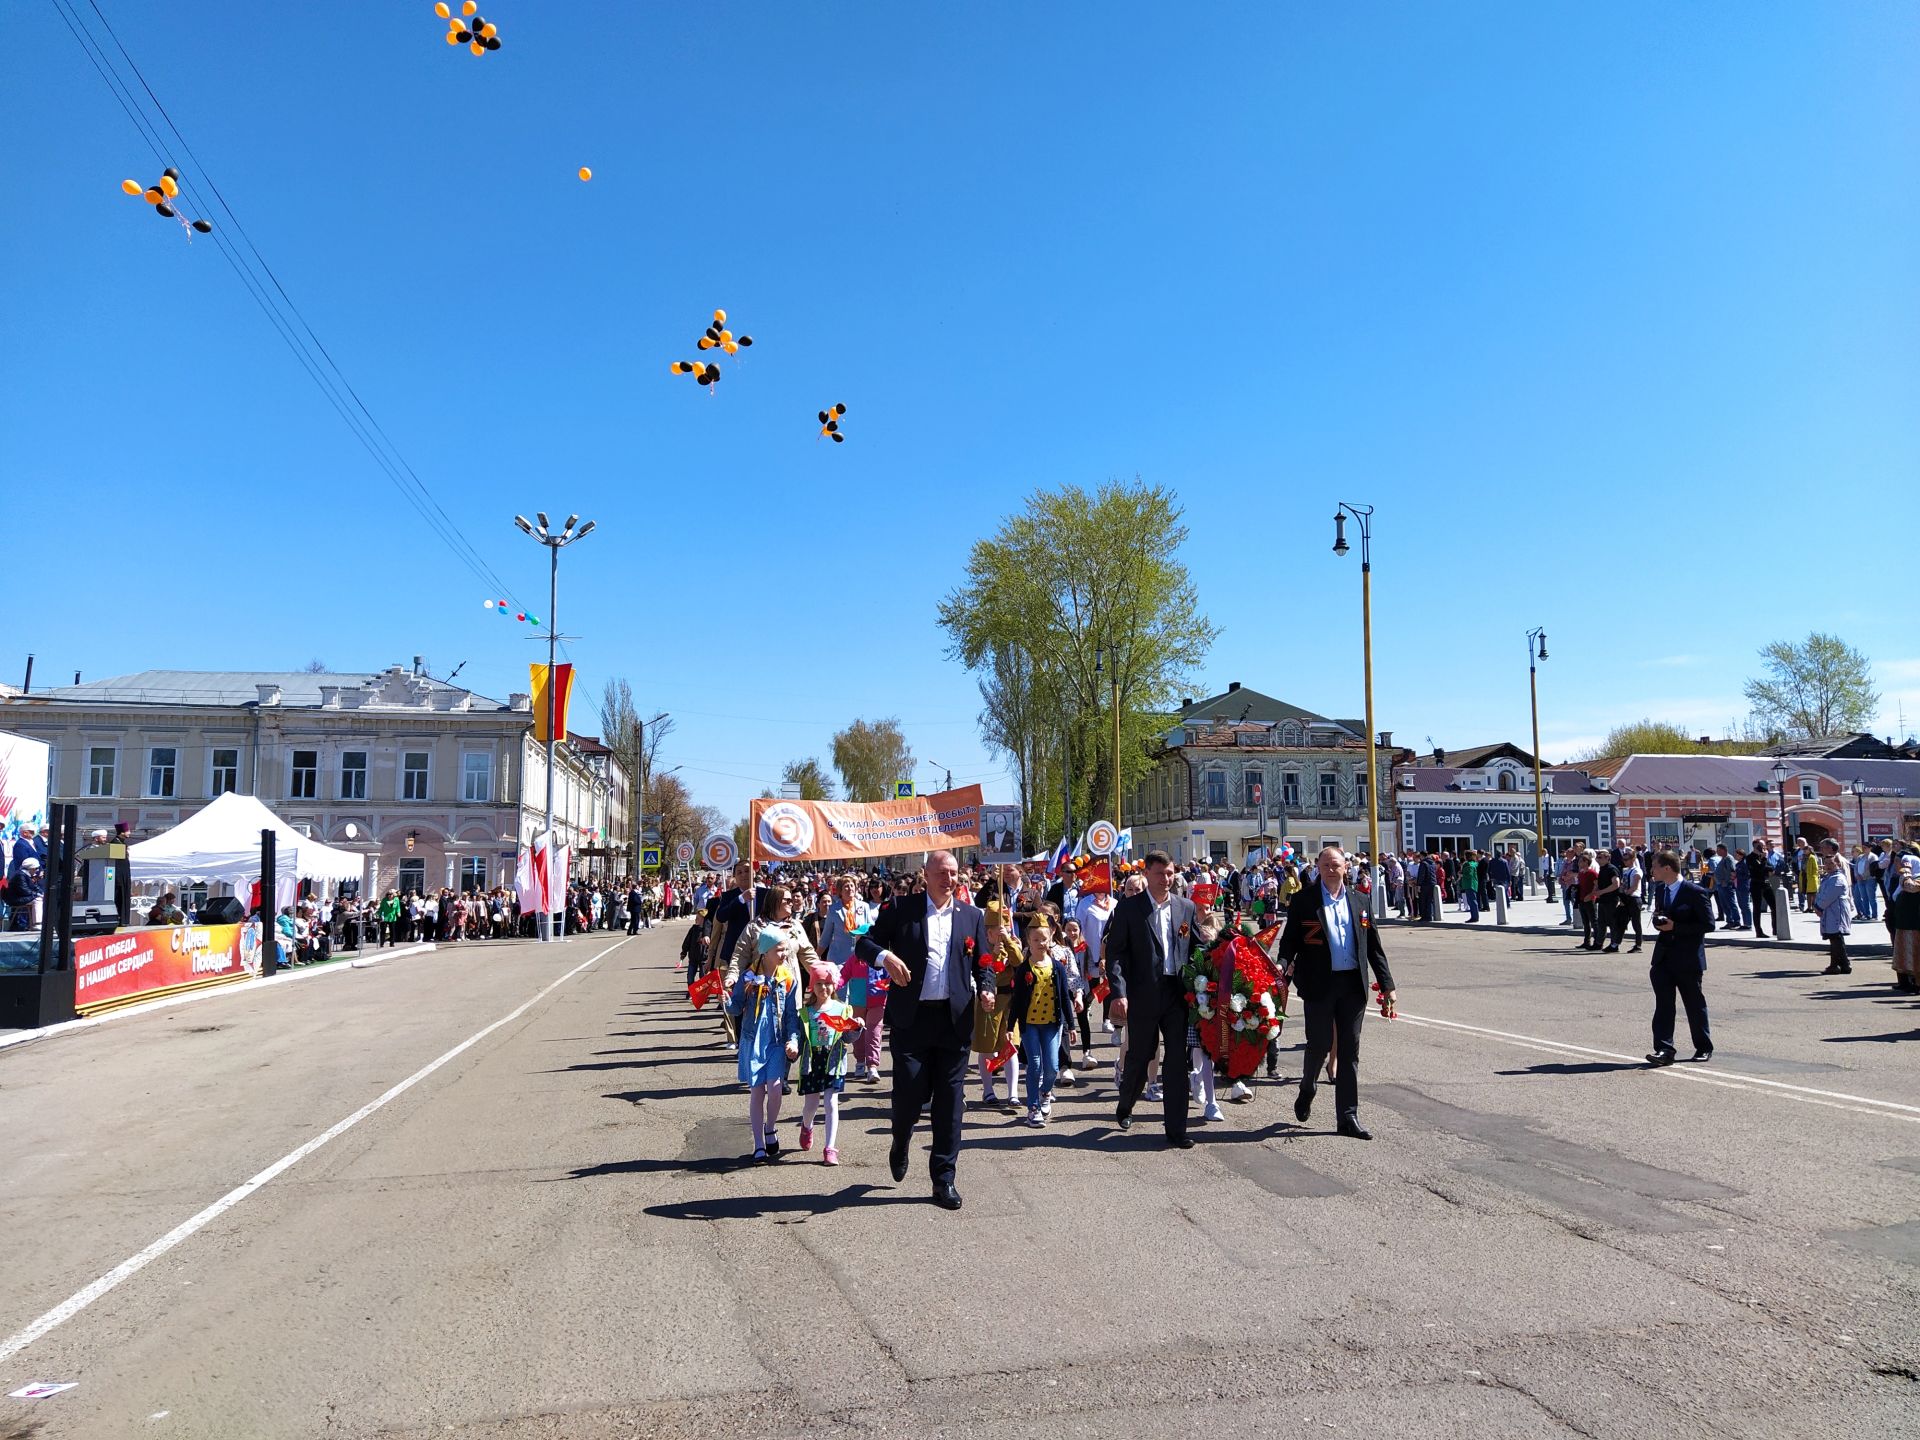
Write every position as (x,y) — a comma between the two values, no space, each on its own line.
(998,1060)
(707,987)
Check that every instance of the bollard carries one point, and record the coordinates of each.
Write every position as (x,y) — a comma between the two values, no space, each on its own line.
(1499,904)
(1781,907)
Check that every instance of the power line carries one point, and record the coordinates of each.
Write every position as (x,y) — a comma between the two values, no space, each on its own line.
(365,426)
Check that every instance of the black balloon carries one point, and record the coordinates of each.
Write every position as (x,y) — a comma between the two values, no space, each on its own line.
(203,227)
(163,209)
(463,36)
(744,341)
(494,44)
(838,437)
(171,173)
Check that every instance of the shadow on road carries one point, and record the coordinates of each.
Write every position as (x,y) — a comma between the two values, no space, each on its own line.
(1871,1039)
(756,1207)
(1571,1067)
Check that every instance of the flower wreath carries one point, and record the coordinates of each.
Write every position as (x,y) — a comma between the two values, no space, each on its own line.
(1236,1003)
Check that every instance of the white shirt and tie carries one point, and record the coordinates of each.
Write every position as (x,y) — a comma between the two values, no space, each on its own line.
(933,985)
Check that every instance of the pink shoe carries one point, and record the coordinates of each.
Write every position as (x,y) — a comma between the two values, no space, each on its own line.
(806,1137)
(832,1157)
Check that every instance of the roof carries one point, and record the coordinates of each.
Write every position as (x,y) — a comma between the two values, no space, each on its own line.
(227,687)
(1874,774)
(1239,703)
(1690,774)
(1860,744)
(1436,780)
(1472,757)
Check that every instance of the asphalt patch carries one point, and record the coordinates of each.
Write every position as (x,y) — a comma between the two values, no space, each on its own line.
(1278,1174)
(1889,1242)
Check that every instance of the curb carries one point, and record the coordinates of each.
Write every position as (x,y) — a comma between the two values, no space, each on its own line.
(244,987)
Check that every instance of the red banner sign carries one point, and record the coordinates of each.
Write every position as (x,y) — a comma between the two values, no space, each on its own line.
(112,970)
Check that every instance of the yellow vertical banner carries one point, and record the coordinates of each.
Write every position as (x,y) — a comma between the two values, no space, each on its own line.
(563,676)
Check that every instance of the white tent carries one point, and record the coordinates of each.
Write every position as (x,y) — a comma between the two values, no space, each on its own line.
(222,843)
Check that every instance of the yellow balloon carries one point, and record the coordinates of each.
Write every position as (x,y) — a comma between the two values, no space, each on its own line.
(730,347)
(167,184)
(585,173)
(725,336)
(469,7)
(440,9)
(453,36)
(477,48)
(704,343)
(719,317)
(132,187)
(153,196)
(489,30)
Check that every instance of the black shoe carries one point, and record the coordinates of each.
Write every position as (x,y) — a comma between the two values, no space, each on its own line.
(1611,950)
(1352,1129)
(946,1197)
(1702,1056)
(1660,1057)
(1179,1142)
(773,1148)
(1636,948)
(1125,1122)
(1833,970)
(1303,1104)
(897,1161)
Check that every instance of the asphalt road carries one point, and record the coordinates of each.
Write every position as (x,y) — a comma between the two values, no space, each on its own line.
(554,1232)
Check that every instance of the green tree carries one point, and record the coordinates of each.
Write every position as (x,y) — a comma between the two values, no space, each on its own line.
(1079,593)
(1659,737)
(870,756)
(812,780)
(1820,687)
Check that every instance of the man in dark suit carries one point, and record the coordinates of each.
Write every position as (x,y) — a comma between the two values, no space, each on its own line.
(933,947)
(1681,918)
(1146,945)
(1328,944)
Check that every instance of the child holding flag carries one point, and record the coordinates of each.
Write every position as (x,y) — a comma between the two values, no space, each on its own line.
(826,1026)
(770,954)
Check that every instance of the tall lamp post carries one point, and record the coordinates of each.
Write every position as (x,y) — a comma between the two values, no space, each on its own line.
(555,544)
(1780,774)
(1364,515)
(1537,650)
(1858,789)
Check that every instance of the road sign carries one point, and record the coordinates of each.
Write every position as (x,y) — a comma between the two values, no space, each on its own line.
(903,790)
(650,857)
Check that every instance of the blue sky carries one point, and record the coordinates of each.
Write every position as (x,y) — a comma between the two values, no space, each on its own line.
(1609,310)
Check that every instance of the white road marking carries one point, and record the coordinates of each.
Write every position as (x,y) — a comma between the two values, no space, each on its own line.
(131,1266)
(1726,1079)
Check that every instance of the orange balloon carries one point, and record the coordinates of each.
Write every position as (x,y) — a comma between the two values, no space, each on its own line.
(719,317)
(167,184)
(477,48)
(132,187)
(469,7)
(153,196)
(730,347)
(489,30)
(453,36)
(585,173)
(440,9)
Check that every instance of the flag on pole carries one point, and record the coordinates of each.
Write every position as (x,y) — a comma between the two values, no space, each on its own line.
(1061,854)
(563,690)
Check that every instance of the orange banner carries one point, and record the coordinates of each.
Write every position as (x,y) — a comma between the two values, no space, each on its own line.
(131,965)
(832,830)
(564,675)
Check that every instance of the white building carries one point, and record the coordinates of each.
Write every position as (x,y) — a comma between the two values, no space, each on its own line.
(434,784)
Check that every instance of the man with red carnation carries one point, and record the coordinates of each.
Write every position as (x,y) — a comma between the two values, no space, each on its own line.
(1328,932)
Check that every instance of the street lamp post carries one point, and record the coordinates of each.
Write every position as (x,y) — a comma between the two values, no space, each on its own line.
(1783,896)
(1537,650)
(1859,789)
(1364,515)
(555,544)
(640,834)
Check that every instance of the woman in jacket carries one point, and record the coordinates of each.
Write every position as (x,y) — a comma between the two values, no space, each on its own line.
(1903,916)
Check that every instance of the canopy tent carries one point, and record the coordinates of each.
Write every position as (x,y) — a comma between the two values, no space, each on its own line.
(221,842)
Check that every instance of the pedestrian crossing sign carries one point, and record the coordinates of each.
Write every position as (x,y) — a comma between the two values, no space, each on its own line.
(903,789)
(650,857)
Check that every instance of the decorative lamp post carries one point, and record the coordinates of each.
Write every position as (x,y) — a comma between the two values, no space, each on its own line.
(1364,515)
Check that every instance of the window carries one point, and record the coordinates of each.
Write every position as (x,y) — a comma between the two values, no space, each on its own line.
(353,774)
(1329,790)
(413,877)
(476,777)
(1253,779)
(100,770)
(1506,780)
(306,774)
(1663,834)
(413,774)
(226,772)
(1290,789)
(1216,789)
(1360,791)
(162,762)
(1809,790)
(473,874)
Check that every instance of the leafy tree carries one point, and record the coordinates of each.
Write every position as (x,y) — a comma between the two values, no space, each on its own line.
(812,780)
(870,756)
(1077,593)
(1820,687)
(1659,737)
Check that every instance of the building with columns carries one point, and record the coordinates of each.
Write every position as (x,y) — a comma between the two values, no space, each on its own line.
(434,784)
(1242,769)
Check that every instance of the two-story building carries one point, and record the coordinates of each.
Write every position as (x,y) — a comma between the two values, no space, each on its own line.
(1242,769)
(436,785)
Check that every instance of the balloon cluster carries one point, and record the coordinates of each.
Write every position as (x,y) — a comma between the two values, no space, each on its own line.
(505,610)
(161,195)
(830,423)
(475,32)
(717,337)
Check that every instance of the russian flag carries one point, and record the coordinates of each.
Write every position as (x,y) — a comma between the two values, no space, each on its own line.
(1062,853)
